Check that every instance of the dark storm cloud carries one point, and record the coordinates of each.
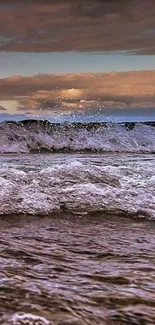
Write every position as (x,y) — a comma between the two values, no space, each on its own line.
(81,92)
(66,25)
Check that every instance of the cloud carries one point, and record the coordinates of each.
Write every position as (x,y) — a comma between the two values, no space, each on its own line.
(81,93)
(2,108)
(66,25)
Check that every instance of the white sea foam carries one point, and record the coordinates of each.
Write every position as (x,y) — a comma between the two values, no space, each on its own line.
(47,184)
(25,138)
(27,318)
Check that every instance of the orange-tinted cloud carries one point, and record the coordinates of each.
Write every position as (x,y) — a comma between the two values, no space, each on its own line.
(68,93)
(67,25)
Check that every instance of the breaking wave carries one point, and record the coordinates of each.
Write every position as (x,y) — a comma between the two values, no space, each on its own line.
(30,136)
(78,184)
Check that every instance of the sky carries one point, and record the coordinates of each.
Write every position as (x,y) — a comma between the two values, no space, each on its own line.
(77,60)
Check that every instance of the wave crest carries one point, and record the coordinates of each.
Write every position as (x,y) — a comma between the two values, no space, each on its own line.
(32,136)
(78,188)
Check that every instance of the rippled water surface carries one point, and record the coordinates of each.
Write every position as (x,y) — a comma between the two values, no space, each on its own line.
(88,267)
(90,270)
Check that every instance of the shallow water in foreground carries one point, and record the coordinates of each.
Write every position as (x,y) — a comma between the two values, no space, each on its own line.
(78,270)
(80,262)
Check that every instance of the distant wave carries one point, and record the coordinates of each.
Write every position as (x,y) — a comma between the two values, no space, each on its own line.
(30,136)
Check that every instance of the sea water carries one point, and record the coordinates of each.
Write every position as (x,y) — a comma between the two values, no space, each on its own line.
(77,228)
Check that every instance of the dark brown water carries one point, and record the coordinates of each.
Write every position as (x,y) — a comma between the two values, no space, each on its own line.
(78,270)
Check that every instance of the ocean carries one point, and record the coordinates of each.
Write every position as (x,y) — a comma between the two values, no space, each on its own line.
(77,217)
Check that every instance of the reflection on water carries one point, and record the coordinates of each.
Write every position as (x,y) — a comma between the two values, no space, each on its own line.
(78,270)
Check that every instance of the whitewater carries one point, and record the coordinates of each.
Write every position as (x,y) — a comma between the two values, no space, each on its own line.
(42,136)
(89,168)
